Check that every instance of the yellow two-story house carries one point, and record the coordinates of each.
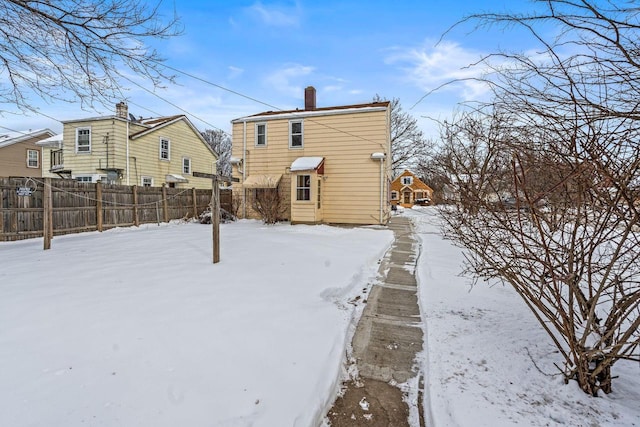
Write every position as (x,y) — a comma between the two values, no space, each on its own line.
(329,164)
(121,149)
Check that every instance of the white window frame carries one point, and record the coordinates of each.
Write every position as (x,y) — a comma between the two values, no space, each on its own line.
(264,143)
(291,134)
(186,165)
(146,178)
(162,150)
(29,159)
(394,195)
(300,188)
(407,180)
(84,148)
(84,178)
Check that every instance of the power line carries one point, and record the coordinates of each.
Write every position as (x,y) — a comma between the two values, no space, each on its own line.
(177,70)
(234,92)
(172,104)
(217,85)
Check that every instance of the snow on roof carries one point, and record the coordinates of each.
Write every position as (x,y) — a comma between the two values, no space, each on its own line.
(322,111)
(306,163)
(52,141)
(174,177)
(262,181)
(9,138)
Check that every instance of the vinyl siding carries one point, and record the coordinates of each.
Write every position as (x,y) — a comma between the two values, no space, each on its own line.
(102,155)
(351,190)
(144,152)
(13,159)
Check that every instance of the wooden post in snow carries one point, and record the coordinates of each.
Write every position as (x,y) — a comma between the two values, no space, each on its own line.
(136,217)
(195,202)
(99,211)
(215,218)
(165,207)
(47,218)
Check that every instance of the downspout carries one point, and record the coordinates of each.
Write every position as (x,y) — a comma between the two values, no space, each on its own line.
(127,138)
(381,157)
(381,188)
(244,168)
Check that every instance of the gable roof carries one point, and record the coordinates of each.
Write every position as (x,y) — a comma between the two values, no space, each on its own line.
(151,124)
(322,111)
(417,184)
(162,122)
(14,137)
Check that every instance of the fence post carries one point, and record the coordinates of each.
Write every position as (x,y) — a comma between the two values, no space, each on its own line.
(195,202)
(51,224)
(165,207)
(215,218)
(136,220)
(99,205)
(47,214)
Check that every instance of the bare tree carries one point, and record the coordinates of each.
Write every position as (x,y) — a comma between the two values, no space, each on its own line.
(566,148)
(77,50)
(407,140)
(220,143)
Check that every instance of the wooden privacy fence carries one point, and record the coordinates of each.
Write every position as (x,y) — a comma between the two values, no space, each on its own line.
(77,206)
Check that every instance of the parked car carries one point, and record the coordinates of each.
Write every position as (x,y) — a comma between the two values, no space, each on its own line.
(422,202)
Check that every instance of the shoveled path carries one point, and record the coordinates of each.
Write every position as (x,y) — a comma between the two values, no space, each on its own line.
(386,340)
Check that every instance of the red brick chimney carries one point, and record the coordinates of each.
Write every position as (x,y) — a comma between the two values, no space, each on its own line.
(310,98)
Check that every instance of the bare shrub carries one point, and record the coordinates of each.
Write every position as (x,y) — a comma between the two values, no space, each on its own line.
(268,203)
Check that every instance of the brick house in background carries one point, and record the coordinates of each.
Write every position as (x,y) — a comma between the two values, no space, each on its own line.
(407,190)
(329,164)
(19,154)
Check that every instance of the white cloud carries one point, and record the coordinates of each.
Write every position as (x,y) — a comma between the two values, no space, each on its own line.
(275,15)
(285,80)
(234,71)
(332,88)
(430,66)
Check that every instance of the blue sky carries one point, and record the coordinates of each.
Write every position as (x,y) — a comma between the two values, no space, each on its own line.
(270,50)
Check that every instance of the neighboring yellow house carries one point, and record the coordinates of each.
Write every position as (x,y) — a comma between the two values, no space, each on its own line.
(19,154)
(330,164)
(123,150)
(407,190)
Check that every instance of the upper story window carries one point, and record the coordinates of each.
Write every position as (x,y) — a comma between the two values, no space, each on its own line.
(83,140)
(303,187)
(407,180)
(186,165)
(296,139)
(261,134)
(165,149)
(33,159)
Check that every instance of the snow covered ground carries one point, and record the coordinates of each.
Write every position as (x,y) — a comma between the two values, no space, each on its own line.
(136,327)
(482,344)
